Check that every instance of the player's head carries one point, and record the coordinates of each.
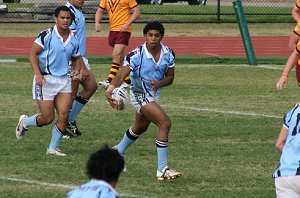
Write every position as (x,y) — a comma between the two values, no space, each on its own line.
(154,25)
(62,10)
(77,3)
(105,164)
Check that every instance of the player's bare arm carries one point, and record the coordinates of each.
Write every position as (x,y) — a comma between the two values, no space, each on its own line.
(295,13)
(280,142)
(35,51)
(77,66)
(283,81)
(98,18)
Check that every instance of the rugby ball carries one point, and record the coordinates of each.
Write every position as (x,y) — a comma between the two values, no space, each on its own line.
(121,95)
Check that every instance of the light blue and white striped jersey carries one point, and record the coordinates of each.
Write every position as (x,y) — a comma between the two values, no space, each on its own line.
(93,189)
(290,157)
(144,68)
(56,54)
(78,27)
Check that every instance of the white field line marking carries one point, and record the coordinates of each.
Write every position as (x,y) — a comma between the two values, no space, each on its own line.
(222,111)
(8,60)
(15,49)
(212,54)
(275,67)
(53,185)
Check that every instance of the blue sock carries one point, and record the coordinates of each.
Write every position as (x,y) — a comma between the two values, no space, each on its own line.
(78,104)
(162,154)
(31,121)
(56,137)
(128,139)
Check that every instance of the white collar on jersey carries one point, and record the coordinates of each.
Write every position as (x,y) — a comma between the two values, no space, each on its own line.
(61,38)
(148,55)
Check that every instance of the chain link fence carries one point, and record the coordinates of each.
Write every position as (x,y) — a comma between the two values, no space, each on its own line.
(172,11)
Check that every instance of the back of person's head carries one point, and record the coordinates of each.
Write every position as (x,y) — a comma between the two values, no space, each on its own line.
(154,25)
(105,164)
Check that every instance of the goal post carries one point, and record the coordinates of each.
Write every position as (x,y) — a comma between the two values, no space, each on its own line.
(240,16)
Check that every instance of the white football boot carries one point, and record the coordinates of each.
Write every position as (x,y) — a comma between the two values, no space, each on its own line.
(21,129)
(167,173)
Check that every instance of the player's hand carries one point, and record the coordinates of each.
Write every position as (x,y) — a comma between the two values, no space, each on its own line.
(282,83)
(39,79)
(97,27)
(124,28)
(84,73)
(76,75)
(108,93)
(155,85)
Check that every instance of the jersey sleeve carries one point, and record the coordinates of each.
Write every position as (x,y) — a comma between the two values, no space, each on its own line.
(43,38)
(102,4)
(132,3)
(76,51)
(298,4)
(133,59)
(298,47)
(172,57)
(288,117)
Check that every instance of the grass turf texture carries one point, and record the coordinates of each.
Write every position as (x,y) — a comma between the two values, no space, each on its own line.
(225,120)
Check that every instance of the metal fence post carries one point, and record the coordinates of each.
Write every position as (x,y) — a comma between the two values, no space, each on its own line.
(219,12)
(240,16)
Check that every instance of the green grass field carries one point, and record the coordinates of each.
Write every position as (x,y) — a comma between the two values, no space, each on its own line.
(225,120)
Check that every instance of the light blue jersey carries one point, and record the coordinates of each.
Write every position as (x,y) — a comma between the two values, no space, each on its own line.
(56,54)
(78,27)
(93,189)
(290,157)
(144,68)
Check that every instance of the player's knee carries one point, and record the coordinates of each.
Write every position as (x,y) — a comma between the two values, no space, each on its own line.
(139,129)
(90,87)
(117,57)
(45,120)
(166,125)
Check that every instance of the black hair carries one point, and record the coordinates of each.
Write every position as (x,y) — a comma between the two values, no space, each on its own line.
(105,164)
(154,25)
(64,8)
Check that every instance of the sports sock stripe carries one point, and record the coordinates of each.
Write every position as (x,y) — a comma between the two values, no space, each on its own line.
(161,144)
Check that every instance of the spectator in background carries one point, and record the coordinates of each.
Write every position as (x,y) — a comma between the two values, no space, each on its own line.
(103,169)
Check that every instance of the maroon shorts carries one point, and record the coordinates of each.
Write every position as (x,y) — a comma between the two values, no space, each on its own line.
(116,37)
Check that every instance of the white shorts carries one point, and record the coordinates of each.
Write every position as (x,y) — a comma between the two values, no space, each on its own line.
(138,100)
(86,62)
(52,86)
(287,187)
